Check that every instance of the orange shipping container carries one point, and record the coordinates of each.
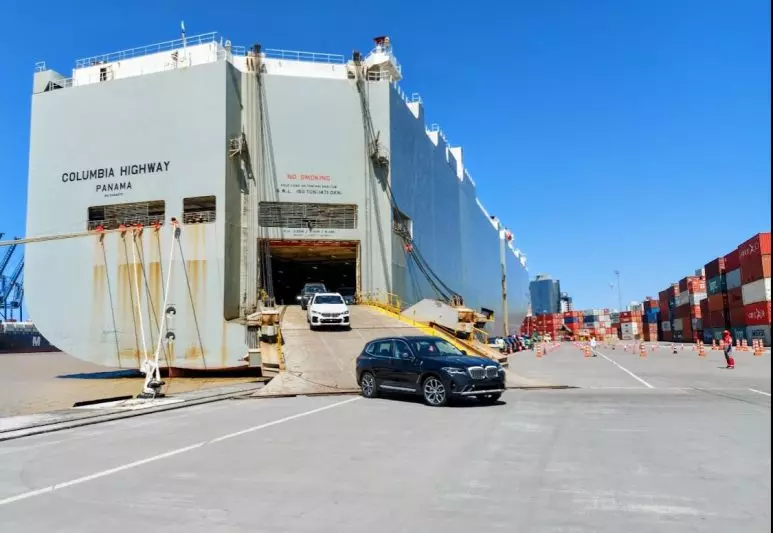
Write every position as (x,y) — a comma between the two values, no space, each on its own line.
(717,302)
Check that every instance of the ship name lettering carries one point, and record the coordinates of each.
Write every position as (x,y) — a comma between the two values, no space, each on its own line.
(113,187)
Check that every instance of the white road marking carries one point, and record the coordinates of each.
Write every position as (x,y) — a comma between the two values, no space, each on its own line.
(634,376)
(760,392)
(103,473)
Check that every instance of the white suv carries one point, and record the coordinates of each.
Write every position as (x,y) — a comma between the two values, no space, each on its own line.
(327,309)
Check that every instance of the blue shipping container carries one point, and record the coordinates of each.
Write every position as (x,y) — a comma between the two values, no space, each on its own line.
(739,333)
(589,318)
(570,319)
(708,335)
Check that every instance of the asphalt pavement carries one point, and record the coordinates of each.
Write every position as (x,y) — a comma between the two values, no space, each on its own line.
(661,443)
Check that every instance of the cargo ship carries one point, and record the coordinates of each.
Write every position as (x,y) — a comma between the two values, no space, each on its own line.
(23,337)
(175,187)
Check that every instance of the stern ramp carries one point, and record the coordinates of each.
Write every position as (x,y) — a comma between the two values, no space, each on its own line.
(322,361)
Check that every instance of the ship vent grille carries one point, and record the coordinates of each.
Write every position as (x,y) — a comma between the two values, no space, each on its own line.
(111,216)
(309,216)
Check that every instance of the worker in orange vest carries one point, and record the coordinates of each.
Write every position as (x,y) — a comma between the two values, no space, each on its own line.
(728,340)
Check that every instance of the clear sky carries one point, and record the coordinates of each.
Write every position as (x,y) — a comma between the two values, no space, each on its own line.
(630,135)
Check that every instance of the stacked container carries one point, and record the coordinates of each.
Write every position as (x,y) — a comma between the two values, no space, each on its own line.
(754,258)
(687,324)
(667,302)
(735,312)
(550,324)
(715,313)
(630,325)
(528,326)
(573,321)
(650,318)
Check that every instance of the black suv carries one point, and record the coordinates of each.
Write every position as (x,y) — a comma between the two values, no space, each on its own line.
(428,366)
(307,293)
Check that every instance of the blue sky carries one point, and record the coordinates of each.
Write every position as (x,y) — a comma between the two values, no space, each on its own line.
(609,135)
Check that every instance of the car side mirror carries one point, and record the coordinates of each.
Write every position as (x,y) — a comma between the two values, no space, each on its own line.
(464,352)
(407,355)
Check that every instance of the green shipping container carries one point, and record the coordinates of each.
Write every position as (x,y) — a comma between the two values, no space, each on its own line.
(717,284)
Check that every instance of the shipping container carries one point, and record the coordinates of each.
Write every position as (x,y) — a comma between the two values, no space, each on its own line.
(718,319)
(716,284)
(708,335)
(758,291)
(651,317)
(692,284)
(697,324)
(682,299)
(717,302)
(754,247)
(757,267)
(737,317)
(732,261)
(735,298)
(757,314)
(668,336)
(738,333)
(678,324)
(697,297)
(758,333)
(665,314)
(665,326)
(733,279)
(715,268)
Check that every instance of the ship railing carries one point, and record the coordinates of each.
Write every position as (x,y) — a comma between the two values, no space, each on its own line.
(140,51)
(383,299)
(199,217)
(298,55)
(114,223)
(378,75)
(480,335)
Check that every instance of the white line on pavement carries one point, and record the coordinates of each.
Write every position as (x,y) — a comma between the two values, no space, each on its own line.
(103,473)
(634,376)
(760,392)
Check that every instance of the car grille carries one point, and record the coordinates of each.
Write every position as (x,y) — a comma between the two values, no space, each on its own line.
(476,372)
(330,315)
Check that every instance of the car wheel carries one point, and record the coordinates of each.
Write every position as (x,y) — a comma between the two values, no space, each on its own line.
(490,399)
(368,385)
(434,392)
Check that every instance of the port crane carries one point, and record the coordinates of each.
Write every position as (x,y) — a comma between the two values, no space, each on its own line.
(8,286)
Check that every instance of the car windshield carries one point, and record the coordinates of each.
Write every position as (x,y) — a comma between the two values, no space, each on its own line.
(328,299)
(314,288)
(434,348)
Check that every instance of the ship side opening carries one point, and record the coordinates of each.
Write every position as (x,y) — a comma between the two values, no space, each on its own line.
(308,255)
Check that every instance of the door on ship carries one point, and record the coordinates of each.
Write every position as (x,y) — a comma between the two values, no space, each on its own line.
(295,263)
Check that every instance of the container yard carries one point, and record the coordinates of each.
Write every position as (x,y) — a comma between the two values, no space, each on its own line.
(731,292)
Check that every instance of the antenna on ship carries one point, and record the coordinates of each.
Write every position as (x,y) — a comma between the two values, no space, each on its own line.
(182,36)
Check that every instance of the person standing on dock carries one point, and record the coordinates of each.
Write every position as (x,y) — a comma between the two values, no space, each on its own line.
(728,340)
(593,346)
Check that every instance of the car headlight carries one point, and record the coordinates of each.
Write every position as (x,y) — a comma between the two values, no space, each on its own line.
(454,371)
(345,313)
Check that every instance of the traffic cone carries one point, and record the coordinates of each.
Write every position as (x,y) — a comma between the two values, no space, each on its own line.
(714,344)
(539,350)
(642,350)
(586,351)
(701,351)
(744,346)
(757,348)
(673,348)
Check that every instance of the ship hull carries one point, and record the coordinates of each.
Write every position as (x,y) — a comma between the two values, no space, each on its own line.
(305,151)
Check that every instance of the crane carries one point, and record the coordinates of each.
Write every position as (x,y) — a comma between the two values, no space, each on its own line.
(6,257)
(15,275)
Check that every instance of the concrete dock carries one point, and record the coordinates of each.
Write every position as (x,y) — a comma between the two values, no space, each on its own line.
(655,443)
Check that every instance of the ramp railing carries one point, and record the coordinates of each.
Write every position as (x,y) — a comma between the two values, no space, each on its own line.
(386,300)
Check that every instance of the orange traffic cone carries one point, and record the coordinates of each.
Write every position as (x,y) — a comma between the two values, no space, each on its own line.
(714,344)
(642,350)
(757,348)
(701,351)
(539,350)
(586,351)
(744,346)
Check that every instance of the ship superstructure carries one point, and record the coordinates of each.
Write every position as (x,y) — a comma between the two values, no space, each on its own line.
(211,178)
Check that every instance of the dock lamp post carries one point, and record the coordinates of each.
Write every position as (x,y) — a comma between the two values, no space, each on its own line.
(619,291)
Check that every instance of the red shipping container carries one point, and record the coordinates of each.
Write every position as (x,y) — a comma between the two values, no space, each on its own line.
(673,291)
(686,284)
(735,298)
(716,320)
(717,302)
(668,336)
(737,317)
(732,260)
(715,268)
(695,311)
(754,247)
(704,306)
(757,314)
(665,314)
(757,267)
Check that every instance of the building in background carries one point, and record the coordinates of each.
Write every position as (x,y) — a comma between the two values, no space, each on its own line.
(565,303)
(545,295)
